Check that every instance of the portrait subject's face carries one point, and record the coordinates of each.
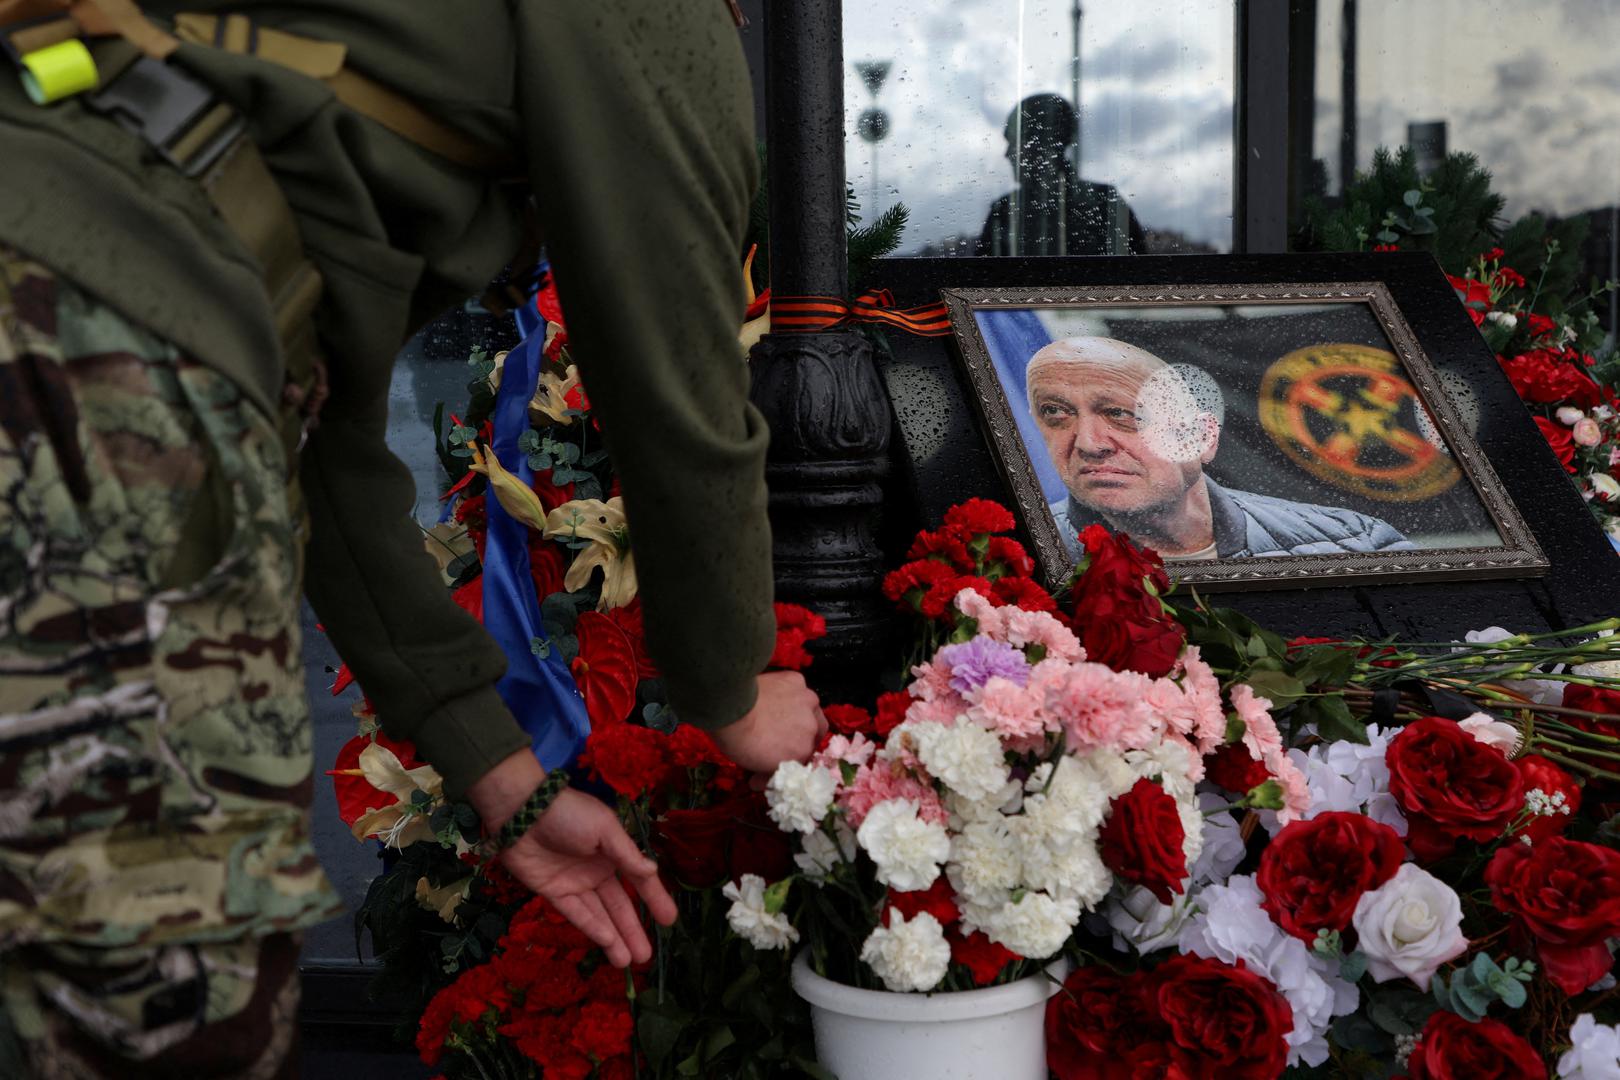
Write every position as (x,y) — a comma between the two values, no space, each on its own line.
(1091,420)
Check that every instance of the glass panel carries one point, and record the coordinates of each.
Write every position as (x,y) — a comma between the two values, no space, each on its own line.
(930,93)
(1530,88)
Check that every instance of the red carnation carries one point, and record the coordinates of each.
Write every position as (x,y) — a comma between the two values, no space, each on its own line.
(938,900)
(1475,295)
(796,627)
(1558,437)
(1451,1048)
(976,517)
(1024,593)
(630,759)
(1010,554)
(891,711)
(1537,772)
(1450,785)
(603,1029)
(1142,840)
(1223,1020)
(605,669)
(847,719)
(908,585)
(1313,872)
(1567,893)
(947,545)
(983,958)
(1544,376)
(944,592)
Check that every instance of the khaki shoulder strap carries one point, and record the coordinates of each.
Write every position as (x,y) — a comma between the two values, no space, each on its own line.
(324,60)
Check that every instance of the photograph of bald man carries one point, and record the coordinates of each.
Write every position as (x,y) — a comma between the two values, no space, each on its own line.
(1130,436)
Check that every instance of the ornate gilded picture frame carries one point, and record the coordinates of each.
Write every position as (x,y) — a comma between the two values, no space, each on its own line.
(1259,436)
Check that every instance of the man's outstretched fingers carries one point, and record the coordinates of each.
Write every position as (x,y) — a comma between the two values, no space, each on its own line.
(585,911)
(642,873)
(623,914)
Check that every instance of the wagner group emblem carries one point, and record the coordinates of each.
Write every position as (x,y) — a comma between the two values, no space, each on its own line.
(1347,415)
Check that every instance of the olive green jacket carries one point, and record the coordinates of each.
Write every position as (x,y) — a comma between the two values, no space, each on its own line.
(634,120)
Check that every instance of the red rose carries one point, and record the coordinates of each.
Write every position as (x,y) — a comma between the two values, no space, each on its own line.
(1568,894)
(1313,872)
(1224,1021)
(891,712)
(796,627)
(1450,785)
(1142,840)
(1537,772)
(548,564)
(757,845)
(1115,564)
(1558,437)
(1539,325)
(983,958)
(693,844)
(977,517)
(1139,637)
(847,719)
(1593,699)
(551,495)
(1094,1021)
(1235,769)
(1451,1048)
(1544,376)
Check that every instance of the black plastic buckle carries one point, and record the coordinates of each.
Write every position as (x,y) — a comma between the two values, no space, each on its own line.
(161,103)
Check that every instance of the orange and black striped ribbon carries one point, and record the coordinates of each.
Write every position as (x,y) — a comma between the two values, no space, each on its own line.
(806,314)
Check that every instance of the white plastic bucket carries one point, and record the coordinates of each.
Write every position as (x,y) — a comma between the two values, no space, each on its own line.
(997,1033)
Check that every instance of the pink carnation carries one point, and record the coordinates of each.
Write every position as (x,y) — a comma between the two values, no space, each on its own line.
(883,780)
(991,619)
(933,683)
(1014,712)
(1204,690)
(841,748)
(1102,709)
(1041,628)
(1296,791)
(1260,732)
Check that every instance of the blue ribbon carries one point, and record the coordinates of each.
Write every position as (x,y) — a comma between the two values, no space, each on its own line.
(540,691)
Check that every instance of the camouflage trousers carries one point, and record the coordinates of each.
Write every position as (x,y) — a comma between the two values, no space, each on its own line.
(155,744)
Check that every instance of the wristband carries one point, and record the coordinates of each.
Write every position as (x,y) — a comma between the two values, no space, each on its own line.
(555,783)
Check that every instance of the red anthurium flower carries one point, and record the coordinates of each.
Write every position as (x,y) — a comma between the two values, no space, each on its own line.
(469,597)
(354,792)
(547,303)
(629,619)
(345,678)
(605,669)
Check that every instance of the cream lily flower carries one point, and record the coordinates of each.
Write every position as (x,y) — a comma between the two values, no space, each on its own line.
(755,328)
(447,542)
(603,524)
(445,899)
(515,497)
(494,376)
(551,396)
(399,824)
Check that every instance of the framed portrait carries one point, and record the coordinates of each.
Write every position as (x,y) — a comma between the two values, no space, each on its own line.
(1256,436)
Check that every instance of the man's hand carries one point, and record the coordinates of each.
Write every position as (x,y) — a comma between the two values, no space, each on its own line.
(785,724)
(574,857)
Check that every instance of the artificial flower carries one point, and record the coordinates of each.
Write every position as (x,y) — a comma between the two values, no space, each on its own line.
(1566,893)
(1313,873)
(1143,840)
(1595,1053)
(516,498)
(1451,786)
(601,525)
(604,669)
(557,395)
(1451,1048)
(1409,926)
(1222,1019)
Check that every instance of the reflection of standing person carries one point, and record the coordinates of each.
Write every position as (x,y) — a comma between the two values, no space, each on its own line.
(1053,211)
(1130,441)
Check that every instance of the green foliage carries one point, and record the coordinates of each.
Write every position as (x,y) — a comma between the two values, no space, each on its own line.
(1472,990)
(872,242)
(1453,213)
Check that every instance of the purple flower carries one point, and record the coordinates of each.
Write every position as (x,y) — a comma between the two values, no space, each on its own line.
(974,663)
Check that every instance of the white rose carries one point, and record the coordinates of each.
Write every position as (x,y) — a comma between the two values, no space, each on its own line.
(908,956)
(963,756)
(1033,926)
(906,849)
(1596,1053)
(1409,926)
(1568,415)
(799,795)
(1142,924)
(1492,732)
(748,917)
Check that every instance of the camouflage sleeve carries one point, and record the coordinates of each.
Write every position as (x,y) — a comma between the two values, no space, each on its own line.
(427,666)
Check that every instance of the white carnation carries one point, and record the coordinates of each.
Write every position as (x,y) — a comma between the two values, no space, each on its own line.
(799,795)
(963,756)
(985,865)
(1409,926)
(906,849)
(1233,926)
(908,956)
(1034,926)
(821,854)
(1595,1054)
(1141,924)
(1057,857)
(1008,800)
(1171,762)
(748,917)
